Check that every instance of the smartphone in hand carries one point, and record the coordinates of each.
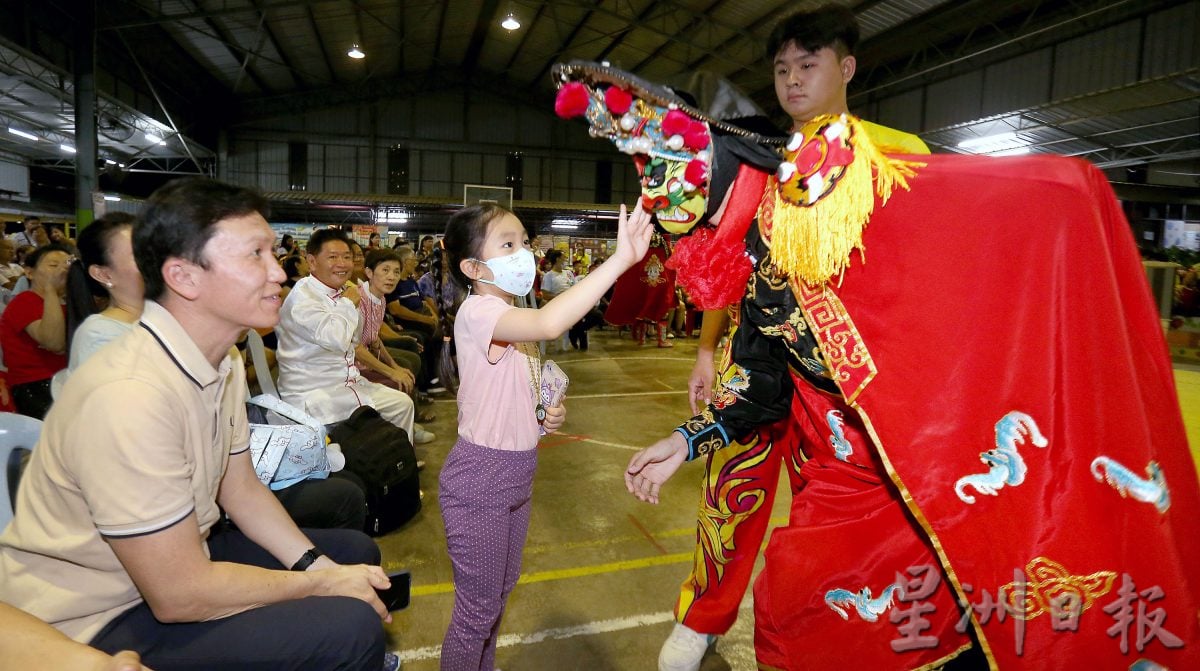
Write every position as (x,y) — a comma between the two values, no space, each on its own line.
(395,597)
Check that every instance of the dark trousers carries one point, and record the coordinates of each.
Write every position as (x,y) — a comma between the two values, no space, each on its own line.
(312,633)
(579,332)
(432,336)
(337,502)
(33,398)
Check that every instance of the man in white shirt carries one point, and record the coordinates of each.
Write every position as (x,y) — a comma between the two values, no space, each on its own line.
(9,272)
(319,328)
(28,235)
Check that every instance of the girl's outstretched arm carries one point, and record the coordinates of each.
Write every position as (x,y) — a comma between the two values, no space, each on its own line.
(554,318)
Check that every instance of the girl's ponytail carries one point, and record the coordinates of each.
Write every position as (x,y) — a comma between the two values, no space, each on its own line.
(447,370)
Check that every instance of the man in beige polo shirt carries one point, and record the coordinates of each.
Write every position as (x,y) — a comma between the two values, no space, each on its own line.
(113,539)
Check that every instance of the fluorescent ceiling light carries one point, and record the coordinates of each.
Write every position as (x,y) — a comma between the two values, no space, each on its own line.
(993,144)
(510,22)
(355,52)
(151,137)
(109,161)
(112,199)
(568,224)
(67,148)
(392,216)
(21,133)
(1015,151)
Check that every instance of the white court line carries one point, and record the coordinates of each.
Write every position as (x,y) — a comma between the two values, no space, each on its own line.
(598,359)
(628,393)
(631,448)
(588,629)
(574,397)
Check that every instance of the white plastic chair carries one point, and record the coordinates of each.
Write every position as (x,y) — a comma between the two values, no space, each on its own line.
(17,432)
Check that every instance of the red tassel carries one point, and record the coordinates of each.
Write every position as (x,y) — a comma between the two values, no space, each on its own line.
(675,123)
(713,271)
(618,100)
(571,101)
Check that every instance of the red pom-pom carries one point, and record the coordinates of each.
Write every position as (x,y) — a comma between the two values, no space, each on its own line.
(712,270)
(675,123)
(571,101)
(618,100)
(696,138)
(696,172)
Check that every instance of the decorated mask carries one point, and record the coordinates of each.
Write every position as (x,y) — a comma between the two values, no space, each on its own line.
(667,193)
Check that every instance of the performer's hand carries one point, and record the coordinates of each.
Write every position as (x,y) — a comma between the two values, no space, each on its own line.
(653,466)
(633,236)
(556,415)
(700,384)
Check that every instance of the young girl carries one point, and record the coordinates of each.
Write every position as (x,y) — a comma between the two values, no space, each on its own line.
(488,477)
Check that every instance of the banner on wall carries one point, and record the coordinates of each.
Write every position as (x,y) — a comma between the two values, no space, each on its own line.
(1182,234)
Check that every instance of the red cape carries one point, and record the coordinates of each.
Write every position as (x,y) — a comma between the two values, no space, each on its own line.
(1001,285)
(645,291)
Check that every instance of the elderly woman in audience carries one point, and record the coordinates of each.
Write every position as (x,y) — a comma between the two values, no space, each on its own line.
(33,331)
(374,361)
(106,271)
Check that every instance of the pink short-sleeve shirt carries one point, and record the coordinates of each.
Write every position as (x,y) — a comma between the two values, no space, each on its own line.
(495,397)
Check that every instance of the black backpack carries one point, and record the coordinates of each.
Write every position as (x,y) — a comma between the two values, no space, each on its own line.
(382,456)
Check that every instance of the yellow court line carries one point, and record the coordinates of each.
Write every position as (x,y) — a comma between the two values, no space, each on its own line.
(584,571)
(577,572)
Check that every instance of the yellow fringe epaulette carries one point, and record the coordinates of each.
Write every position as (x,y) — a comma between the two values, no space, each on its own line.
(824,201)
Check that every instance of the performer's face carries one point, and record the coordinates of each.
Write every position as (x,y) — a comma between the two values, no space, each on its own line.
(811,83)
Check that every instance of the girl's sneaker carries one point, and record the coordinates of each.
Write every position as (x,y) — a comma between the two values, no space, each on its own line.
(684,649)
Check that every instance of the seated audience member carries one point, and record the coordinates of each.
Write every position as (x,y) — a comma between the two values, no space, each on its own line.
(33,331)
(374,361)
(416,314)
(115,540)
(25,236)
(319,327)
(10,271)
(106,257)
(106,269)
(287,247)
(32,645)
(58,236)
(359,257)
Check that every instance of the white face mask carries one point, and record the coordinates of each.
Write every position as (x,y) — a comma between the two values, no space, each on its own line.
(514,273)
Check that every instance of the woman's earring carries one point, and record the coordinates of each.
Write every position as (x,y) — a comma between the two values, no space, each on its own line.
(108,284)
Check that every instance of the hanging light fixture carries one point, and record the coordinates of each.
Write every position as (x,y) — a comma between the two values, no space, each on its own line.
(355,52)
(510,22)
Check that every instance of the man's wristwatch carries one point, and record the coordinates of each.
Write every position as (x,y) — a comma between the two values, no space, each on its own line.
(310,555)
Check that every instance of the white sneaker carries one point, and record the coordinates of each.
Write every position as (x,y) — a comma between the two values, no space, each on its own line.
(421,436)
(684,649)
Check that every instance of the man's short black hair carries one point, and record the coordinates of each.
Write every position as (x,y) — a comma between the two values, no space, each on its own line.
(830,25)
(319,238)
(180,218)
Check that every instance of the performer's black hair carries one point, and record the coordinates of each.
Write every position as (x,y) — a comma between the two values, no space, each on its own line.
(829,25)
